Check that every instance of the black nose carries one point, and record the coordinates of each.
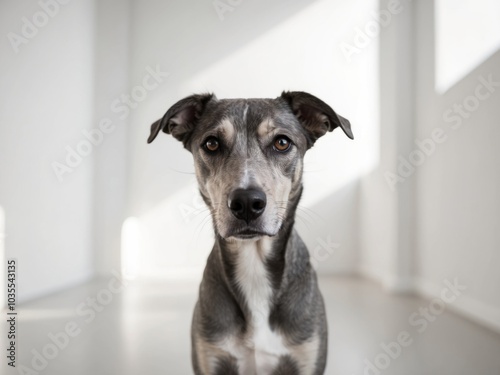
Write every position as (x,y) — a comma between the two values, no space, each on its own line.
(247,204)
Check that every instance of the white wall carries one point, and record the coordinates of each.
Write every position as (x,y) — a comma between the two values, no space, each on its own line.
(111,77)
(440,221)
(258,50)
(386,237)
(458,186)
(47,90)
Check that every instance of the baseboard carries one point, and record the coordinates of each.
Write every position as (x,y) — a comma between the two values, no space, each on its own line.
(396,284)
(465,305)
(391,283)
(368,272)
(338,269)
(79,280)
(193,273)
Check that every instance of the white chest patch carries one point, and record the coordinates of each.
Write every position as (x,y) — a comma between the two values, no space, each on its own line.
(265,346)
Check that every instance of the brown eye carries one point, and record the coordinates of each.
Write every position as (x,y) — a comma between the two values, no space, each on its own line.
(282,144)
(212,144)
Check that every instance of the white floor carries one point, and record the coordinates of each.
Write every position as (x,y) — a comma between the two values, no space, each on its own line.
(144,329)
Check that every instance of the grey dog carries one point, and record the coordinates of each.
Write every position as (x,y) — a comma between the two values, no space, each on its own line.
(259,309)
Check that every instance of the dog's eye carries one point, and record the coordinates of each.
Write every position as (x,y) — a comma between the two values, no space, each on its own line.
(211,144)
(282,143)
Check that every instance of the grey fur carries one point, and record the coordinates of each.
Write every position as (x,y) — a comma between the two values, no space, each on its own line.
(246,130)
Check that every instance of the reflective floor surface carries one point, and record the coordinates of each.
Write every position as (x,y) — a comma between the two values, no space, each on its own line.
(143,328)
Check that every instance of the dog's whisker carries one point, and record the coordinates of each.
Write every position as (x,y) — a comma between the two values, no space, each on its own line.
(301,207)
(198,211)
(182,172)
(304,221)
(307,217)
(200,227)
(315,217)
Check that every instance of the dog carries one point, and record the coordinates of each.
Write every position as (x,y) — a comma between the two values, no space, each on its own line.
(259,309)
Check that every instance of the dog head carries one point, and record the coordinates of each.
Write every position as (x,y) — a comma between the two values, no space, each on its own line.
(249,154)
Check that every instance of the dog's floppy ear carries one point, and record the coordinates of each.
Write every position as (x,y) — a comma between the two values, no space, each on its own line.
(181,118)
(315,115)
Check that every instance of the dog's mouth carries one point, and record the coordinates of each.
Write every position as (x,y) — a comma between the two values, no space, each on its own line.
(248,233)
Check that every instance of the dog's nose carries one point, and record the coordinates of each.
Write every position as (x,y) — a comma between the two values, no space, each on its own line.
(247,204)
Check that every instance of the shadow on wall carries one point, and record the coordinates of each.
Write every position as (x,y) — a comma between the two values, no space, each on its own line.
(327,229)
(210,38)
(457,191)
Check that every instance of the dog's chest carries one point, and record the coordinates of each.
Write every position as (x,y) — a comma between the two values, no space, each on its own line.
(263,347)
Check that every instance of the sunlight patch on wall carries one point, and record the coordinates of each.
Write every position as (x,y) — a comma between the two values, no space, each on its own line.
(467,33)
